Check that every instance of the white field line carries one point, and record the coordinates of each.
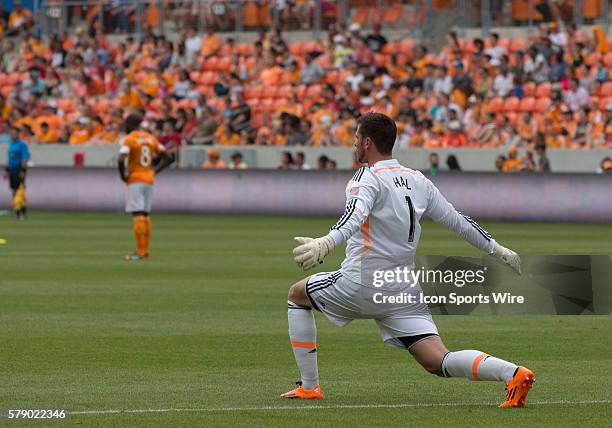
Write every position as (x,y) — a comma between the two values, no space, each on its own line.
(323,407)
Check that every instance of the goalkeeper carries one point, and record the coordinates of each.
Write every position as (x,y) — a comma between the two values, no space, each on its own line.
(385,202)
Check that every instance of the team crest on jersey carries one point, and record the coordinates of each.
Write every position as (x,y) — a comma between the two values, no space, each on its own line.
(354,191)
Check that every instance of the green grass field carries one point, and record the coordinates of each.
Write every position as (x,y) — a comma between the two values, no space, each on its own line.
(202,328)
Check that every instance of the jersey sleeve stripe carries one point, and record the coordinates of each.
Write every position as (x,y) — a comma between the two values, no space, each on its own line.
(348,212)
(480,230)
(471,220)
(357,176)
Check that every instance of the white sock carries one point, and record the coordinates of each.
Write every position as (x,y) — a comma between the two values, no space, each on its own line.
(303,336)
(476,365)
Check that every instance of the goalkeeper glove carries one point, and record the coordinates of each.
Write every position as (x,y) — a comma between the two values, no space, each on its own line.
(311,252)
(507,257)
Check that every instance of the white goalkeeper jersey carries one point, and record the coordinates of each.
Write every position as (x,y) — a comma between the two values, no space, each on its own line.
(381,221)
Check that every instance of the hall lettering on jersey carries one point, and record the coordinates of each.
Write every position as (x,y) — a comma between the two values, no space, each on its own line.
(401,182)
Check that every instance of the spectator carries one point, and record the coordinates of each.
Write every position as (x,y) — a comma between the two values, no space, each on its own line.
(312,72)
(286,161)
(504,81)
(214,160)
(543,162)
(499,163)
(376,41)
(193,46)
(323,162)
(20,19)
(237,162)
(300,161)
(452,163)
(454,137)
(170,138)
(577,96)
(434,164)
(240,114)
(495,51)
(512,163)
(605,167)
(211,43)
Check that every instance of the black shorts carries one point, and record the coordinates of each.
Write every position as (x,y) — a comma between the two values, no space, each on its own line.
(15,179)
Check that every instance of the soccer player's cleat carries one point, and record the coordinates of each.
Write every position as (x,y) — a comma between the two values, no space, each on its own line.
(518,388)
(315,393)
(135,257)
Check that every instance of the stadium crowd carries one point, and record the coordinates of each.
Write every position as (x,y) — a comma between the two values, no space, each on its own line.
(552,90)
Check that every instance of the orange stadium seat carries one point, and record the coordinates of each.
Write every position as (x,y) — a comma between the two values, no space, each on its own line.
(253,92)
(245,49)
(591,9)
(529,89)
(592,59)
(224,64)
(195,76)
(542,104)
(520,11)
(606,89)
(332,77)
(517,45)
(527,104)
(392,47)
(312,47)
(544,90)
(418,102)
(300,91)
(496,104)
(361,15)
(313,91)
(406,47)
(296,49)
(393,14)
(604,102)
(511,104)
(250,14)
(325,61)
(438,5)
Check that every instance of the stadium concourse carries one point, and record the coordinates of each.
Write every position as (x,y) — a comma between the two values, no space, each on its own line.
(551,90)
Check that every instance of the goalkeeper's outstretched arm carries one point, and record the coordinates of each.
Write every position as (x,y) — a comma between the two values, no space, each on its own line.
(441,211)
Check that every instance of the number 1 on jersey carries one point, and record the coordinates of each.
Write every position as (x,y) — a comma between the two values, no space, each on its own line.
(411,210)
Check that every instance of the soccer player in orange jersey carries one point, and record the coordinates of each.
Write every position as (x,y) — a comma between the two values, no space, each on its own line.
(139,150)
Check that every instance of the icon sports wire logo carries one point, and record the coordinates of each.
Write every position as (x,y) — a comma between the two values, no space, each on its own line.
(411,277)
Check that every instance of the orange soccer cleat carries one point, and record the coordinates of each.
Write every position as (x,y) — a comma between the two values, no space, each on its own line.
(315,393)
(518,388)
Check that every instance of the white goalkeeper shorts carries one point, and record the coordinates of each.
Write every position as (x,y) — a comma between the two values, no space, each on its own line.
(342,301)
(139,197)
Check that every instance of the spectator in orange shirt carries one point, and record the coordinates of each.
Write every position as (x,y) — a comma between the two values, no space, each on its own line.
(81,133)
(512,163)
(214,160)
(19,19)
(45,134)
(211,43)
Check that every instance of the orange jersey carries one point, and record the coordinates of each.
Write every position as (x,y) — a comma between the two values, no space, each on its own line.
(140,147)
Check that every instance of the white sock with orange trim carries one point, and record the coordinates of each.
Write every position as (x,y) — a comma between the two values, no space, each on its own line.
(303,336)
(476,365)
